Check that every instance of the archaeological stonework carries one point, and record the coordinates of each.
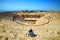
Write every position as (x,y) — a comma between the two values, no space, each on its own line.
(31,19)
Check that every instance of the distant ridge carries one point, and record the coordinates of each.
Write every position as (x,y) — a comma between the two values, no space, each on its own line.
(30,11)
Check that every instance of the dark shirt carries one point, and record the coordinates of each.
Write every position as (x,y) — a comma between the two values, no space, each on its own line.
(32,34)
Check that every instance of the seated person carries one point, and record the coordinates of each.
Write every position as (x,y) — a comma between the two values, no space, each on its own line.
(31,33)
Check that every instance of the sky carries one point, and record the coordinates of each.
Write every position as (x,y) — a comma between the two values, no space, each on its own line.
(17,5)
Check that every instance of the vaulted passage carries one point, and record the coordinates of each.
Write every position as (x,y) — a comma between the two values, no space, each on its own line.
(31,21)
(31,16)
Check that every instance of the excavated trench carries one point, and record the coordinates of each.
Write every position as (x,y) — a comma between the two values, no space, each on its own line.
(32,19)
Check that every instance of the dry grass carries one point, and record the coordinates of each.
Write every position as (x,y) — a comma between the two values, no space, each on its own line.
(10,30)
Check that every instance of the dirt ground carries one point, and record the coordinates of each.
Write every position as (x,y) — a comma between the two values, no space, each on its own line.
(11,30)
